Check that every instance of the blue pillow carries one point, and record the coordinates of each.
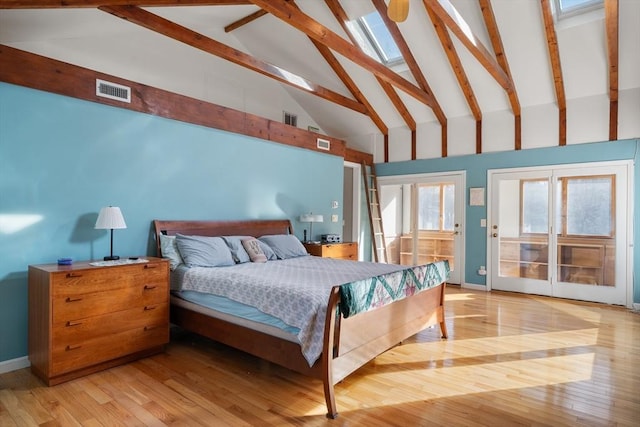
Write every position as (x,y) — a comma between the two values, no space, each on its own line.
(204,251)
(268,252)
(284,246)
(238,252)
(169,249)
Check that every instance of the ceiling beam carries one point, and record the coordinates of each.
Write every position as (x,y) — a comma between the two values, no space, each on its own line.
(461,75)
(556,69)
(408,57)
(501,57)
(342,18)
(199,41)
(244,21)
(296,18)
(53,4)
(452,19)
(417,74)
(342,74)
(611,11)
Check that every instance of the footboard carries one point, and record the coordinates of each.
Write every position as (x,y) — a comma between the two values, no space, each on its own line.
(354,341)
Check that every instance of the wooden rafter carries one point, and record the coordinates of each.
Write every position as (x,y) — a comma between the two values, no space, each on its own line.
(244,21)
(556,68)
(296,18)
(416,72)
(447,13)
(348,82)
(51,4)
(342,18)
(408,57)
(177,32)
(611,10)
(501,57)
(461,75)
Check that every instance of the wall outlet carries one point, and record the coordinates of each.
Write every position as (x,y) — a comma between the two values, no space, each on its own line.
(482,271)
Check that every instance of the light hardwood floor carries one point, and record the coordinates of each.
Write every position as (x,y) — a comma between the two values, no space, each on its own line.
(510,360)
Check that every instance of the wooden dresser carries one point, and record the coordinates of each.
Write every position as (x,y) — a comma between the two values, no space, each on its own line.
(345,250)
(84,318)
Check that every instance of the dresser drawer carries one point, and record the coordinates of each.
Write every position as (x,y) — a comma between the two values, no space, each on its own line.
(71,357)
(75,331)
(88,293)
(343,251)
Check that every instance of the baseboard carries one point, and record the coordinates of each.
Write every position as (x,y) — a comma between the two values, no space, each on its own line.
(14,364)
(474,286)
(636,306)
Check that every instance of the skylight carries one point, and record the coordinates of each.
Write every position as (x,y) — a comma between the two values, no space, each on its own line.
(374,38)
(567,8)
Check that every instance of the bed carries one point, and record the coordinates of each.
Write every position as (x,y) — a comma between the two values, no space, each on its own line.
(350,334)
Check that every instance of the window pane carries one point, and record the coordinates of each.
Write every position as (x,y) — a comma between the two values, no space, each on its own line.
(381,38)
(429,207)
(535,206)
(589,206)
(449,203)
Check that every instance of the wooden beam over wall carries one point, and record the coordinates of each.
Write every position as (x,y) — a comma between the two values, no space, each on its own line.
(38,72)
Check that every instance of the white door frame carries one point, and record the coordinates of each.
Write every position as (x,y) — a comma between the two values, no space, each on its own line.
(355,210)
(424,178)
(628,252)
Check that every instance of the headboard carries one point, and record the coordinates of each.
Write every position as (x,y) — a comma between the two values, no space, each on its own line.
(254,228)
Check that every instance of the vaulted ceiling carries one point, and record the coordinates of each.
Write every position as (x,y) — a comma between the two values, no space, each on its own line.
(464,58)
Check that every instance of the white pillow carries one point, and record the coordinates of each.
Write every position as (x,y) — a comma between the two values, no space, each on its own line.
(252,247)
(169,250)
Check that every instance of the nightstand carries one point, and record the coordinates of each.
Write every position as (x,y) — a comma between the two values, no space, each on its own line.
(345,250)
(85,318)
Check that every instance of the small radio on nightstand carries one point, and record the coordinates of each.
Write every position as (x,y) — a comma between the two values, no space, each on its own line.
(331,238)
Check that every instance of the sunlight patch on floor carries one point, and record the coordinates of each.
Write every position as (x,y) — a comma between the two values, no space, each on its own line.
(490,346)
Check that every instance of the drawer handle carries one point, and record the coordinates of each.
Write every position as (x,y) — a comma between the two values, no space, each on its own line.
(149,307)
(150,266)
(72,275)
(149,287)
(73,347)
(70,299)
(73,323)
(150,328)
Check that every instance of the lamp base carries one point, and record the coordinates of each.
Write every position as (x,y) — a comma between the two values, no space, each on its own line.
(111,258)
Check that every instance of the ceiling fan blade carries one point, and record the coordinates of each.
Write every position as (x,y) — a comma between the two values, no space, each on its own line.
(398,10)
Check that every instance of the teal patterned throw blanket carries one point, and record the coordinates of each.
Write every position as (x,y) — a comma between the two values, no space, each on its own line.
(367,294)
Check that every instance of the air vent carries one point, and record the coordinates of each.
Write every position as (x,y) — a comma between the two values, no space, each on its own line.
(323,144)
(290,119)
(113,91)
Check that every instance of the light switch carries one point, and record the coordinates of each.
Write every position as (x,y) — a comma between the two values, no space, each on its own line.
(334,218)
(483,222)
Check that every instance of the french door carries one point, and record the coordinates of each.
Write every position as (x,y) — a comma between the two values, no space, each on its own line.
(423,220)
(561,231)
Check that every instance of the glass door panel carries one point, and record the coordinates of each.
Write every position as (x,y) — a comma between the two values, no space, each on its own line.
(520,233)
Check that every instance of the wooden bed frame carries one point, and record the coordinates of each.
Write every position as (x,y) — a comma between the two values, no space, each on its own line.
(349,343)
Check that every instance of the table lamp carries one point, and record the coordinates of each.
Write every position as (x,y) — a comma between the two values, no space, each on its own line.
(311,218)
(110,218)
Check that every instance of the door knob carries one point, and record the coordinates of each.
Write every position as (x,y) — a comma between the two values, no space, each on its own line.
(495,234)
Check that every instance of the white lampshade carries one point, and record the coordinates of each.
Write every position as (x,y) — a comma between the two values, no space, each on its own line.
(311,218)
(110,218)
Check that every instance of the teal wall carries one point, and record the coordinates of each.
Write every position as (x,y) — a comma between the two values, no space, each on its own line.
(477,166)
(62,159)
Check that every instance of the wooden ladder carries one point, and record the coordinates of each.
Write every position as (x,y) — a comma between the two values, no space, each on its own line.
(375,216)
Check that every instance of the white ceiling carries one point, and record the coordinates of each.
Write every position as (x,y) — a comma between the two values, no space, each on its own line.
(100,41)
